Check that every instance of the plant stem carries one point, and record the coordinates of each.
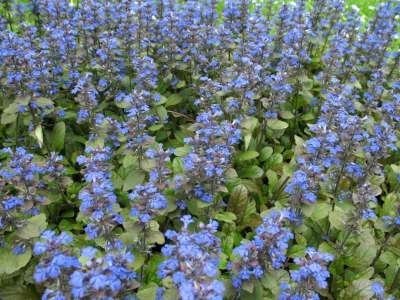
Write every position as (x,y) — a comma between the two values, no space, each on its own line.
(395,280)
(378,254)
(346,237)
(143,250)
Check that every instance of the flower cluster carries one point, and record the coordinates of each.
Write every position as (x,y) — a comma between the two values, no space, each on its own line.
(147,202)
(102,277)
(378,290)
(160,172)
(86,95)
(211,152)
(147,199)
(56,264)
(192,261)
(312,275)
(23,183)
(139,117)
(392,222)
(98,200)
(343,130)
(267,249)
(91,276)
(153,100)
(331,157)
(138,102)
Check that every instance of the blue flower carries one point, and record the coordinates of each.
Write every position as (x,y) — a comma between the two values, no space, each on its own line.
(211,152)
(312,275)
(53,295)
(368,214)
(12,203)
(201,194)
(97,197)
(378,290)
(354,170)
(268,247)
(192,261)
(19,249)
(391,222)
(313,145)
(24,182)
(55,259)
(102,274)
(300,187)
(148,202)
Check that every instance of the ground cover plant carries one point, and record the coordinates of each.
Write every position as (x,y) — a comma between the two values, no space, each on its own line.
(199,150)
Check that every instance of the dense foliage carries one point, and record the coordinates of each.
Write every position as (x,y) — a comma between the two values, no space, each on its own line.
(199,150)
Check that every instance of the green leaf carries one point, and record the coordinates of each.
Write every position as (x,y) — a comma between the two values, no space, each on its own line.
(296,250)
(67,225)
(44,102)
(139,260)
(363,255)
(307,95)
(148,293)
(173,100)
(358,290)
(181,84)
(272,179)
(265,153)
(226,217)
(287,115)
(248,286)
(366,273)
(162,113)
(249,124)
(357,84)
(177,165)
(247,139)
(306,82)
(155,237)
(133,178)
(318,211)
(196,207)
(336,218)
(33,227)
(308,117)
(390,204)
(275,159)
(156,127)
(277,124)
(170,294)
(129,160)
(153,226)
(248,155)
(133,232)
(251,172)
(273,279)
(57,136)
(388,258)
(17,292)
(395,168)
(9,263)
(238,200)
(38,134)
(182,151)
(325,247)
(251,218)
(10,113)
